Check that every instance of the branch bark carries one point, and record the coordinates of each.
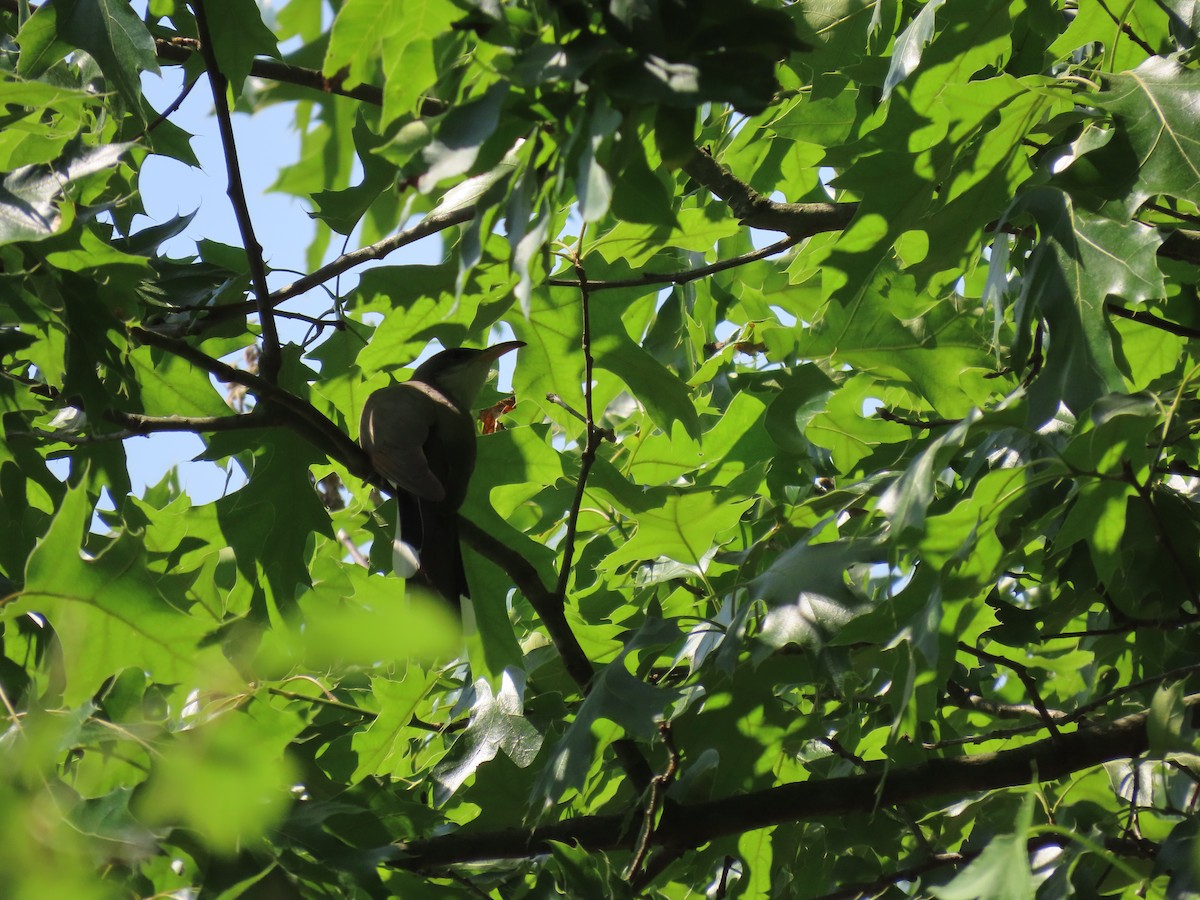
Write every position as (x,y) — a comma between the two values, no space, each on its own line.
(691,825)
(433,223)
(272,357)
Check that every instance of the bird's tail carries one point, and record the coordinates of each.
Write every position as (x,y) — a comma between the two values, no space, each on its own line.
(441,554)
(406,557)
(426,548)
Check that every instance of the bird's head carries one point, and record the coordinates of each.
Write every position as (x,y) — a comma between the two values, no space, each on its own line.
(461,372)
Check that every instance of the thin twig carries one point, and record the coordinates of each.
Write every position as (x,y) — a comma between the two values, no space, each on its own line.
(1127,30)
(609,434)
(431,224)
(594,436)
(351,548)
(179,50)
(171,108)
(334,703)
(964,699)
(888,416)
(650,278)
(1190,218)
(1147,318)
(1026,679)
(272,358)
(658,787)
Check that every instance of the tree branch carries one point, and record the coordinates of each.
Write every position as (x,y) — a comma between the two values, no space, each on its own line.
(888,416)
(1148,318)
(594,435)
(801,220)
(309,422)
(272,357)
(431,224)
(648,278)
(797,220)
(692,825)
(1026,679)
(543,601)
(180,49)
(305,418)
(964,699)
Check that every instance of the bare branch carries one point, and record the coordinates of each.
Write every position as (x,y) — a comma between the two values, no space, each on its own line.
(888,416)
(304,418)
(433,223)
(272,357)
(594,436)
(658,788)
(179,50)
(964,699)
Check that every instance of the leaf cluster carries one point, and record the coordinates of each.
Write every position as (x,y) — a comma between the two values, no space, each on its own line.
(840,537)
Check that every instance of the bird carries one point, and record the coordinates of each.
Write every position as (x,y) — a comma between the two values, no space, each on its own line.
(420,436)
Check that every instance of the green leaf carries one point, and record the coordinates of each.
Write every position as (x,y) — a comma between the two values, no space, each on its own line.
(109,30)
(1167,727)
(1155,108)
(239,35)
(906,54)
(685,526)
(229,779)
(28,209)
(380,748)
(110,611)
(498,723)
(1001,871)
(460,137)
(1070,274)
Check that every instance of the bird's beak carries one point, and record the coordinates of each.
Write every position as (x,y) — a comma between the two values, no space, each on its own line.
(493,353)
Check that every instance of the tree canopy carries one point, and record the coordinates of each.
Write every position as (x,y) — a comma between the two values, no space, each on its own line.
(840,537)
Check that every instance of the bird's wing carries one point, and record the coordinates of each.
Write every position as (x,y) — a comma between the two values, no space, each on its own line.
(396,422)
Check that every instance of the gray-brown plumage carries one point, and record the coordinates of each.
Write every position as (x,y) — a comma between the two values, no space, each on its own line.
(420,435)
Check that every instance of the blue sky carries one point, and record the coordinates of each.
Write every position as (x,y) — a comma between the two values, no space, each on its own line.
(266,142)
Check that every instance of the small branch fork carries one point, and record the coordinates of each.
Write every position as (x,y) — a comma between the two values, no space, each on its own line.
(631,759)
(654,800)
(594,436)
(1048,719)
(272,357)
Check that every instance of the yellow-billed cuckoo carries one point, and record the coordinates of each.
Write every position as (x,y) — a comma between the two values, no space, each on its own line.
(420,435)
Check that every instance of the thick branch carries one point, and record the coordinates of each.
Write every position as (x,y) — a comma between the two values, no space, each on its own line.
(797,220)
(305,418)
(543,601)
(692,825)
